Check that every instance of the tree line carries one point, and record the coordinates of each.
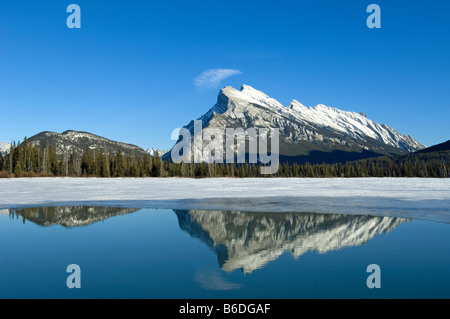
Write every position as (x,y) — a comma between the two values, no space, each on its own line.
(28,160)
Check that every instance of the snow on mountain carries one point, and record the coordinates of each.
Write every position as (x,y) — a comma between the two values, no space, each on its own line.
(4,147)
(79,141)
(155,152)
(303,129)
(353,124)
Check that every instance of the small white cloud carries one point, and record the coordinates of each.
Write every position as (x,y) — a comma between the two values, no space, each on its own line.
(213,77)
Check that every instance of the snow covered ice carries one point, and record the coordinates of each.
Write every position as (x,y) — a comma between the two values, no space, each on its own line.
(397,197)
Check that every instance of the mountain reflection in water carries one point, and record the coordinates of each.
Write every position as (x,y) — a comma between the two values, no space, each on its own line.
(69,216)
(241,240)
(248,241)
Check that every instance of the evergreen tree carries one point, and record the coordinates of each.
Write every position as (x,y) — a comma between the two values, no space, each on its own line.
(2,164)
(86,162)
(119,165)
(147,166)
(156,166)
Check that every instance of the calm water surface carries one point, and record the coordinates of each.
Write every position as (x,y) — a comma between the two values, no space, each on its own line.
(149,253)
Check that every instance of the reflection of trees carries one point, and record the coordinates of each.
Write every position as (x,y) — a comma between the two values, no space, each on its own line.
(249,240)
(68,216)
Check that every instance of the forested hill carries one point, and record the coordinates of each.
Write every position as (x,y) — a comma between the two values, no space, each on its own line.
(436,148)
(420,164)
(77,141)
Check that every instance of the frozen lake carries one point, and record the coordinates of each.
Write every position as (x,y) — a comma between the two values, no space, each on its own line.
(224,238)
(400,197)
(164,253)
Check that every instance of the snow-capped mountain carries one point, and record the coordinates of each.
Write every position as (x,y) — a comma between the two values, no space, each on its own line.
(79,141)
(314,134)
(248,241)
(4,147)
(155,152)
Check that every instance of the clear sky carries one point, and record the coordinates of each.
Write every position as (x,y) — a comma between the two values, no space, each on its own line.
(132,72)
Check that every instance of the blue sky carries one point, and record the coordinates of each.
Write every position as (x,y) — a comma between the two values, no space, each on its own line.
(129,74)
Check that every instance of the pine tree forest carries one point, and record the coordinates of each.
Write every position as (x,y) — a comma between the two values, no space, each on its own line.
(26,160)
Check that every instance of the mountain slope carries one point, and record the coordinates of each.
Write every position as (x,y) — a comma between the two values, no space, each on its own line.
(79,141)
(311,134)
(436,148)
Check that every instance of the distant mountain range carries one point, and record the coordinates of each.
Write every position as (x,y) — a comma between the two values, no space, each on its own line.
(4,147)
(307,134)
(79,141)
(155,152)
(70,140)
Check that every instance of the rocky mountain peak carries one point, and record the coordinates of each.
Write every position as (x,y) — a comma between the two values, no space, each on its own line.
(307,134)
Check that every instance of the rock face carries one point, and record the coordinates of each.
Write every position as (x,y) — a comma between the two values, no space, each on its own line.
(248,241)
(313,134)
(69,140)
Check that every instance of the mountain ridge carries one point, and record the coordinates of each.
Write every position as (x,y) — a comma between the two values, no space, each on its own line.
(70,140)
(320,129)
(441,147)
